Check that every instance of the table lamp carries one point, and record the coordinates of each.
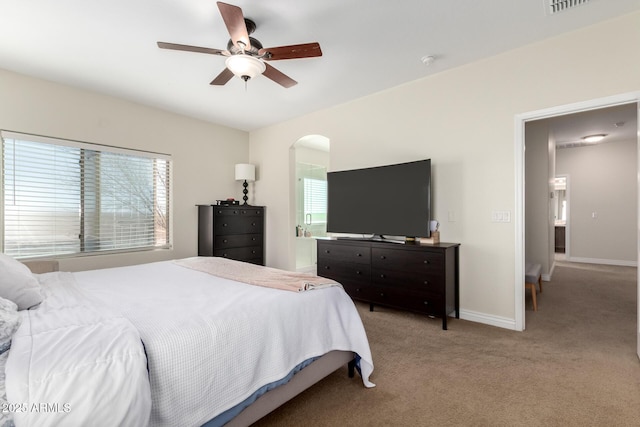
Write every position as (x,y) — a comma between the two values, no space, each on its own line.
(245,172)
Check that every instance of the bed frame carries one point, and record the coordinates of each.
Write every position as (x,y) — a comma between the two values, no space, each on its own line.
(319,369)
(301,381)
(42,266)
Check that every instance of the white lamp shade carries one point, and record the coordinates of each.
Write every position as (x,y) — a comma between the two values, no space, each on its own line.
(245,66)
(245,171)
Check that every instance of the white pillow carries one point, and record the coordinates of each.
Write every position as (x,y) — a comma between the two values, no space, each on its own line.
(6,417)
(9,321)
(17,284)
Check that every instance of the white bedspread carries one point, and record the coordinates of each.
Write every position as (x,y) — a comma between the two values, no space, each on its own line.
(212,342)
(73,362)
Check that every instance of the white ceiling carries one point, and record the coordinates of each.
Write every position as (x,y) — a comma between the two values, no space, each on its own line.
(110,47)
(618,123)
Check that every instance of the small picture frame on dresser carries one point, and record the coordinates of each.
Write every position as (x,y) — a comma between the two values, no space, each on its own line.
(433,240)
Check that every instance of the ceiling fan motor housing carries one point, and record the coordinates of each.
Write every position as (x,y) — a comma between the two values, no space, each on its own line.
(255,47)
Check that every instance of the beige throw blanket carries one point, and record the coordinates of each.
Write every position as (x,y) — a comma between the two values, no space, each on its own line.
(256,274)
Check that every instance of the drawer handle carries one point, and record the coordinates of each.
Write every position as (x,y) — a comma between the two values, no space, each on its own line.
(220,212)
(253,238)
(383,257)
(253,224)
(359,255)
(357,289)
(382,294)
(382,276)
(224,255)
(426,282)
(327,251)
(426,261)
(358,272)
(224,241)
(253,252)
(326,267)
(426,303)
(224,225)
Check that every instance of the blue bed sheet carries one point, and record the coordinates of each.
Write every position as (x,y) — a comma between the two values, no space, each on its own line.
(231,413)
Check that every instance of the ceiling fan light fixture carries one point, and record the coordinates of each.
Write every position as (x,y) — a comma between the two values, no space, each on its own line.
(594,138)
(245,66)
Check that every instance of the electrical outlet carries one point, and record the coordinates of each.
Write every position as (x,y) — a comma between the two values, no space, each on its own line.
(501,216)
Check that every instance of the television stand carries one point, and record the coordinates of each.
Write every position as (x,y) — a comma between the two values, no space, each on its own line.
(374,238)
(414,277)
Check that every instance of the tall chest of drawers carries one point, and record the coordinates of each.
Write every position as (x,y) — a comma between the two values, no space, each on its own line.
(421,278)
(234,232)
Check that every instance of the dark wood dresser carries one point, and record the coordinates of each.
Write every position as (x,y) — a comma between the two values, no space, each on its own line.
(235,232)
(410,276)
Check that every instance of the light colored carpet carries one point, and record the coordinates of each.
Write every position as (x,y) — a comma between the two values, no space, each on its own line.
(575,365)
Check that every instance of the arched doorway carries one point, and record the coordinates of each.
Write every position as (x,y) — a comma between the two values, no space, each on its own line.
(310,155)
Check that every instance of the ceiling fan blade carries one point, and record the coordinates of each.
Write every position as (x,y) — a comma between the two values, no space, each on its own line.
(222,78)
(189,48)
(307,50)
(234,20)
(278,77)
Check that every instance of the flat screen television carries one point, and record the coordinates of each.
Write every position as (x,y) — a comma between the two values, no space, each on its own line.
(391,200)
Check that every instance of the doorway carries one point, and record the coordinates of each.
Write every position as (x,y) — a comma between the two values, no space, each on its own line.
(520,121)
(309,181)
(562,227)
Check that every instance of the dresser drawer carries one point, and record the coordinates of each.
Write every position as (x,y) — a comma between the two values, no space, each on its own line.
(238,240)
(240,254)
(344,272)
(404,299)
(344,253)
(236,224)
(424,282)
(225,211)
(406,260)
(358,291)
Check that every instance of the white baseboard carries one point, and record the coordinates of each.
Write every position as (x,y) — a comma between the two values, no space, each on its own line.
(622,263)
(547,277)
(488,319)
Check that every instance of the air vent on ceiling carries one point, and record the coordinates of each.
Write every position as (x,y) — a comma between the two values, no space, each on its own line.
(555,6)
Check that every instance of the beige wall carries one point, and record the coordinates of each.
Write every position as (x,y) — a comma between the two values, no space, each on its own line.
(462,119)
(539,174)
(203,154)
(602,179)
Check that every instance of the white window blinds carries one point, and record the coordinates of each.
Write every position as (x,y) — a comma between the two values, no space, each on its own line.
(65,197)
(315,201)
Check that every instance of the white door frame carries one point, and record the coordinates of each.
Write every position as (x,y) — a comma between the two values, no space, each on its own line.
(567,235)
(519,124)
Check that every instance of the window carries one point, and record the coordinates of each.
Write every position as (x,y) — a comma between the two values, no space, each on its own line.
(63,197)
(315,201)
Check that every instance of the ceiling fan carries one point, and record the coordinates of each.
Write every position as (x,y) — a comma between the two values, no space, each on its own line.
(245,55)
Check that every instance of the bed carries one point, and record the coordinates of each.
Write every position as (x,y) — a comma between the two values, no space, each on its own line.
(186,342)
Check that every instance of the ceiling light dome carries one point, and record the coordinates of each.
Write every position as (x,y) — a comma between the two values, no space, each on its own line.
(245,66)
(594,138)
